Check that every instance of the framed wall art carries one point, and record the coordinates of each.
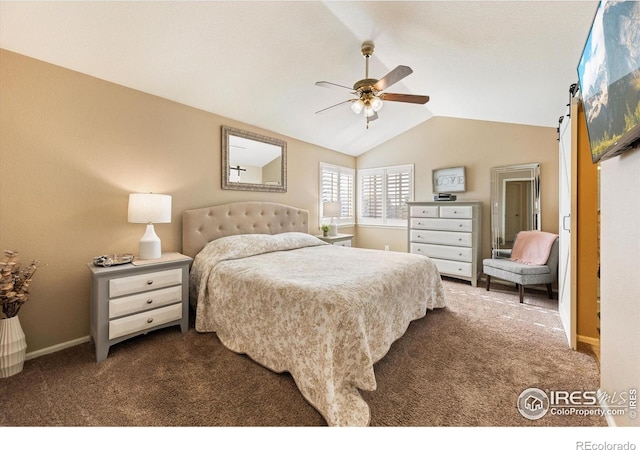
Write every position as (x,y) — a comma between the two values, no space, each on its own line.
(451,179)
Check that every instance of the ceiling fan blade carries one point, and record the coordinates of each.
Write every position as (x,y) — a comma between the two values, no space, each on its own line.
(329,84)
(406,98)
(392,77)
(333,106)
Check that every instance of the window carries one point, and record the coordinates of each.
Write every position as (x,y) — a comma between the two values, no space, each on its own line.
(337,184)
(384,193)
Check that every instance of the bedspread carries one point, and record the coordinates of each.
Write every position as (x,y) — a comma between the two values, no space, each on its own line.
(323,313)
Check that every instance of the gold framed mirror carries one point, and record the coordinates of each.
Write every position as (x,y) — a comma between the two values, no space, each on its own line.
(252,162)
(515,203)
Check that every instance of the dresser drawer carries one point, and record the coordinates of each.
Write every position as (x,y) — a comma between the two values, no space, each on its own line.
(453,267)
(442,224)
(423,211)
(141,302)
(443,251)
(441,237)
(144,321)
(456,212)
(145,282)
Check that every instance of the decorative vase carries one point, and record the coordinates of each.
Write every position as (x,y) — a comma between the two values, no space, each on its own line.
(13,347)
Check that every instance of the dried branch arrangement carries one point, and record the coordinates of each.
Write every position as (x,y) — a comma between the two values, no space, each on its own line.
(14,283)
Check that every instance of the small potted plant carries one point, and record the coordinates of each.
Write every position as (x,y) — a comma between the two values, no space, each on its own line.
(325,230)
(14,290)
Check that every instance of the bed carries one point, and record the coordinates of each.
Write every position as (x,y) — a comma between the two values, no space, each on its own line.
(296,304)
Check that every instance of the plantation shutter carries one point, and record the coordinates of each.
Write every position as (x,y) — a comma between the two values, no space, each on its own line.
(330,186)
(398,194)
(371,197)
(337,185)
(347,195)
(384,193)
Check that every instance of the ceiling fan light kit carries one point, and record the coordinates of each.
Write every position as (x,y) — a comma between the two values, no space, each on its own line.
(357,106)
(369,91)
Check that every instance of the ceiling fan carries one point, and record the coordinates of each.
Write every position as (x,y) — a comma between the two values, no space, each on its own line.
(369,91)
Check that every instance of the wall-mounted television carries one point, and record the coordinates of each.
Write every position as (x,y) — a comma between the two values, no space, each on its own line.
(609,78)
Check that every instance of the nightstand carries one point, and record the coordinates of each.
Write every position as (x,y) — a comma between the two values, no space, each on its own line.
(132,299)
(341,239)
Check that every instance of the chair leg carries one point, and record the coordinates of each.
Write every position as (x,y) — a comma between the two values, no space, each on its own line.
(550,291)
(521,292)
(488,281)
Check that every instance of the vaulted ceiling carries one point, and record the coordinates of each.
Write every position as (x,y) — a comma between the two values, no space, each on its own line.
(257,62)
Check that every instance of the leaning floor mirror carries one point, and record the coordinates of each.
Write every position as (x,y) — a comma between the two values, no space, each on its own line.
(252,162)
(515,203)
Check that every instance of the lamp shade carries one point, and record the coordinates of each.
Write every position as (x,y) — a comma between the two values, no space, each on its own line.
(376,104)
(331,209)
(149,208)
(357,106)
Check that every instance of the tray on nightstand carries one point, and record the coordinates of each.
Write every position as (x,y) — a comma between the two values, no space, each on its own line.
(112,260)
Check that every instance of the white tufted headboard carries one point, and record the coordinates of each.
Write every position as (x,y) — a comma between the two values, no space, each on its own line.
(203,225)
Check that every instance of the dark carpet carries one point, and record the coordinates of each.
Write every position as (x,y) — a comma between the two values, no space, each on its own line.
(462,366)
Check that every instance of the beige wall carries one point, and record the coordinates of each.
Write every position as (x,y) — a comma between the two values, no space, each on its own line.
(73,147)
(619,282)
(448,142)
(271,172)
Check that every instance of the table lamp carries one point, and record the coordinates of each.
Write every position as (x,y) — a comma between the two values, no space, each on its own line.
(150,208)
(332,209)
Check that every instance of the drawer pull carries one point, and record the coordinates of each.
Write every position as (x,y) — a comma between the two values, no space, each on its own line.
(459,239)
(150,319)
(150,282)
(460,225)
(150,301)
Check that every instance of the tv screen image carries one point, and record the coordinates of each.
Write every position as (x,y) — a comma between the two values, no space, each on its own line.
(609,77)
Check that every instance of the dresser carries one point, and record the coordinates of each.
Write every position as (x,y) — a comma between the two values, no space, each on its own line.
(450,234)
(128,300)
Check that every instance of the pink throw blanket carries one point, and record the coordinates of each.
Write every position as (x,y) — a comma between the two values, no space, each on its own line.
(532,247)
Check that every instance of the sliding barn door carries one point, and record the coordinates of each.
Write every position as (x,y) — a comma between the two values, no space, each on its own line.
(567,204)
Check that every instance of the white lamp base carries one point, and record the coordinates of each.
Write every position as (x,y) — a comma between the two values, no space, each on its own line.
(333,228)
(150,246)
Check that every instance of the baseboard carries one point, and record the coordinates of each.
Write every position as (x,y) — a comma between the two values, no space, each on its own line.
(594,342)
(591,343)
(57,347)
